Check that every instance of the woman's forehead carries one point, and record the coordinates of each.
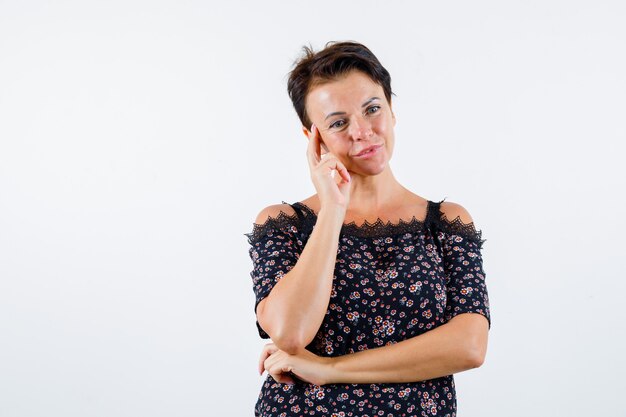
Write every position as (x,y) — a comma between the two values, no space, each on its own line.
(350,90)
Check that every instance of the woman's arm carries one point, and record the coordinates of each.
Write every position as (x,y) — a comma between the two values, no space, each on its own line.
(293,311)
(456,346)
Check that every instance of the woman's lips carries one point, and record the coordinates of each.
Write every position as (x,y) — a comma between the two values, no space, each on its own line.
(371,152)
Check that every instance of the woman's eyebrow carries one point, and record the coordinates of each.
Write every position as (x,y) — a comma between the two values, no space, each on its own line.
(336,113)
(369,101)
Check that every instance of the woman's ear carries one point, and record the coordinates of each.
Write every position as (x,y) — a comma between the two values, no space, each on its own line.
(393,115)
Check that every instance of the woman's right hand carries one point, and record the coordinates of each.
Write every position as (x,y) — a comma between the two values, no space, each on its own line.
(330,191)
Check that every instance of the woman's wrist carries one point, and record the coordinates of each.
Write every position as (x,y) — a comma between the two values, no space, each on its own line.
(332,214)
(332,374)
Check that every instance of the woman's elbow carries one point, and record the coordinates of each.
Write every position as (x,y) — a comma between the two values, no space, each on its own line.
(476,360)
(476,355)
(285,341)
(288,345)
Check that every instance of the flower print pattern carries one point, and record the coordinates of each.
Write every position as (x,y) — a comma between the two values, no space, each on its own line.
(275,249)
(465,278)
(392,282)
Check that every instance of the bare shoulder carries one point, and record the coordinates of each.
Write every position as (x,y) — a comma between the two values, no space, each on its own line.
(274,211)
(453,210)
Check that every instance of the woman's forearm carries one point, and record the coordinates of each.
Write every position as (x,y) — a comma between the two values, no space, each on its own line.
(294,310)
(442,351)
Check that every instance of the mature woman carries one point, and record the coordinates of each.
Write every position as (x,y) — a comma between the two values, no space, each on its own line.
(372,295)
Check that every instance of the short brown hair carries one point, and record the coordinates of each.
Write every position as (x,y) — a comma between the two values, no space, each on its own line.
(335,60)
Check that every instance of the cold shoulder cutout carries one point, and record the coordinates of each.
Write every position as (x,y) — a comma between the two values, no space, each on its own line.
(457,226)
(283,220)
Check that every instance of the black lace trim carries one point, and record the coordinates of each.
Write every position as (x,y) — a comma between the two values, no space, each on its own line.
(284,221)
(456,226)
(378,228)
(303,221)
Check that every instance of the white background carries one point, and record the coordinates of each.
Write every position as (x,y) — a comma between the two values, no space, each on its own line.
(139,140)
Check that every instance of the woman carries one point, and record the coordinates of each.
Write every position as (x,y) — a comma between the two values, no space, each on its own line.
(373,296)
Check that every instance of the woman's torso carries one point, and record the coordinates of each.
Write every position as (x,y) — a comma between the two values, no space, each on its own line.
(389,285)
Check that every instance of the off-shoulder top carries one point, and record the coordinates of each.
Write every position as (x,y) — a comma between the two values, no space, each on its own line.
(392,281)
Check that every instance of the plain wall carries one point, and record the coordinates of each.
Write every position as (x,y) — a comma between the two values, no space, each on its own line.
(140,139)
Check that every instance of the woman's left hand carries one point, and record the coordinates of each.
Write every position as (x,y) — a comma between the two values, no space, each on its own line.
(305,365)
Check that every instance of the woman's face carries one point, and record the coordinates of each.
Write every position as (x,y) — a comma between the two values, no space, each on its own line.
(352,114)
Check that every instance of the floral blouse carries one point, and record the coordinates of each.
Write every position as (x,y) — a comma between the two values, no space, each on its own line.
(391,282)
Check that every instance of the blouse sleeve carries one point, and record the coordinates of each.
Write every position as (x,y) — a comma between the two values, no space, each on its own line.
(465,278)
(274,250)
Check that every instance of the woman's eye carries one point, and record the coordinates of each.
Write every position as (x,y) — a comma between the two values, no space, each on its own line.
(373,109)
(338,123)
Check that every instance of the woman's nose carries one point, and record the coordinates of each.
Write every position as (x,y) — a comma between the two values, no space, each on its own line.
(360,129)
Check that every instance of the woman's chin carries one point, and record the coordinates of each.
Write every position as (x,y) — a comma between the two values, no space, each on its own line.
(369,170)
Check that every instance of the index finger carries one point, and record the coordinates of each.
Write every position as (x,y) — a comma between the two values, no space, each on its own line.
(268,350)
(313,148)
